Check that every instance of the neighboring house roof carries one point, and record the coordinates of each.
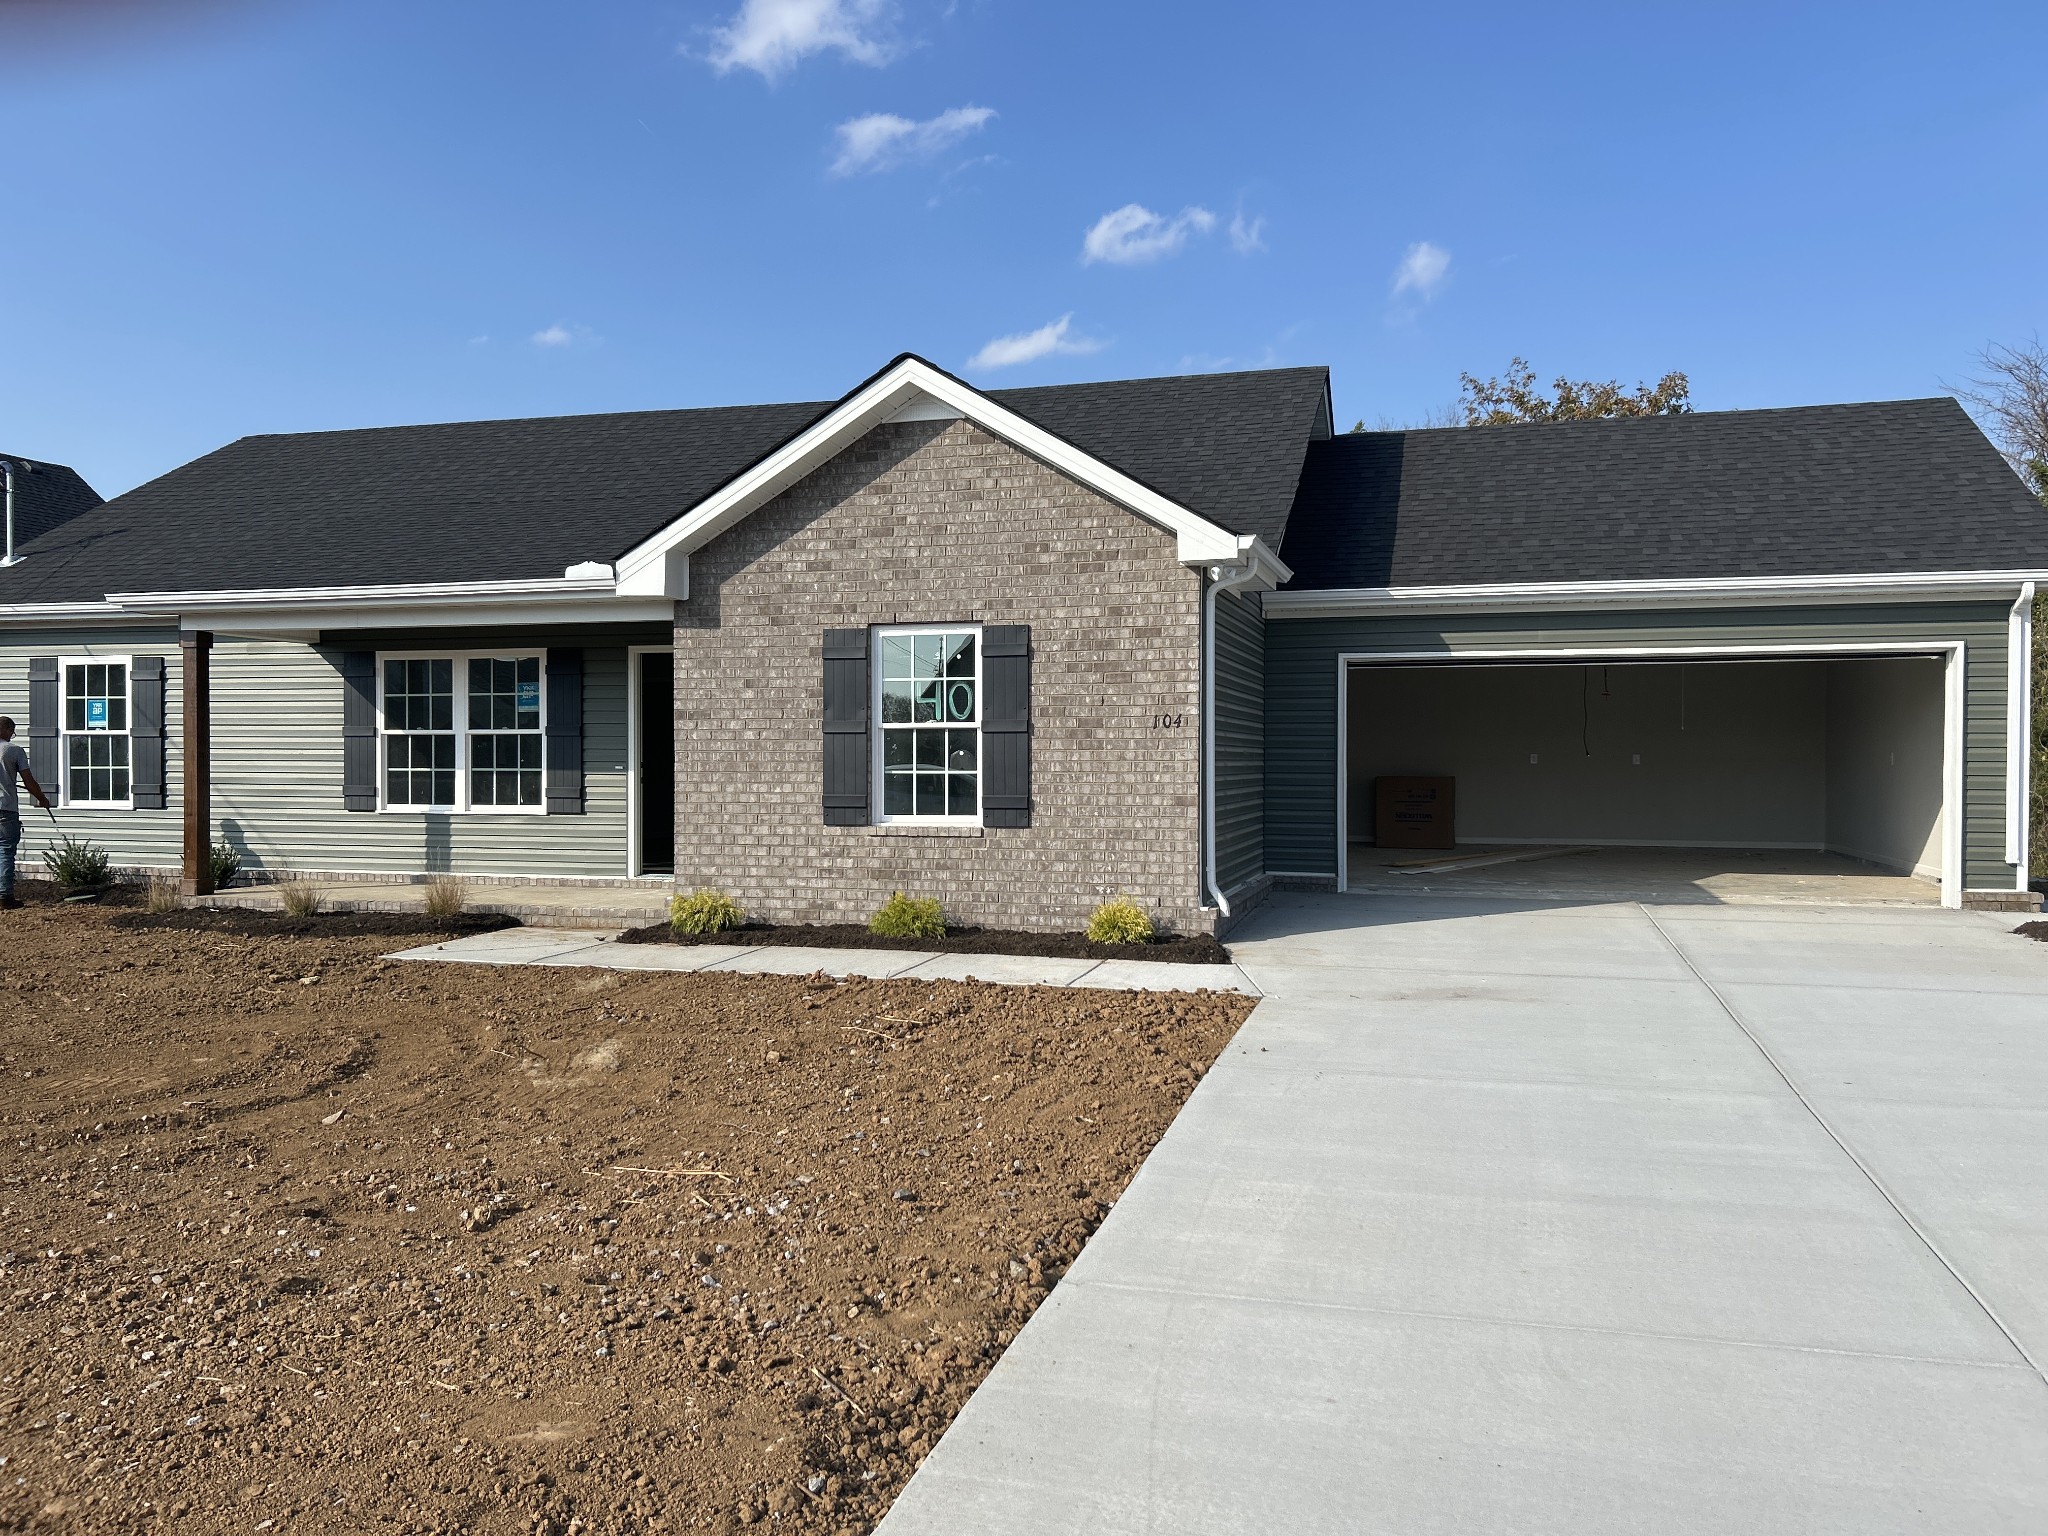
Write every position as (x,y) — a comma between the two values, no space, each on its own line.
(1832,490)
(46,496)
(526,499)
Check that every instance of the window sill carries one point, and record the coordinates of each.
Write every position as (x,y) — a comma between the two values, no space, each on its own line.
(918,829)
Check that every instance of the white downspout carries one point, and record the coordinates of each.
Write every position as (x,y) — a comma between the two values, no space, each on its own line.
(1222,578)
(2019,731)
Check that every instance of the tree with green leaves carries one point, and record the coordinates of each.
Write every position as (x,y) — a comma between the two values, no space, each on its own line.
(1514,398)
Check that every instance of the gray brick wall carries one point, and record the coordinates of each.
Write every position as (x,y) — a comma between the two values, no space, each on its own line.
(933,522)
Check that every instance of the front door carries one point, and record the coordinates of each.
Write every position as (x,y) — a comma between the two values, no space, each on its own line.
(657,765)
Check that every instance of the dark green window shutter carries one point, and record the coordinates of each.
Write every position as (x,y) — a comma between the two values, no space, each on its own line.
(564,732)
(45,711)
(846,727)
(146,732)
(1006,725)
(358,730)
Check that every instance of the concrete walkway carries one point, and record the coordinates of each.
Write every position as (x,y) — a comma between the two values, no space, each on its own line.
(1562,1219)
(596,947)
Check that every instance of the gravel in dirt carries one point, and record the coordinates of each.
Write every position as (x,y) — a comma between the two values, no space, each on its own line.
(293,1237)
(1200,949)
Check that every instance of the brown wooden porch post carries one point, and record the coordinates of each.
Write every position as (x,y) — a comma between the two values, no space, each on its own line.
(197,649)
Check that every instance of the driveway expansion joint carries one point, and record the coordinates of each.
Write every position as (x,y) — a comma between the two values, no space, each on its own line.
(1926,1239)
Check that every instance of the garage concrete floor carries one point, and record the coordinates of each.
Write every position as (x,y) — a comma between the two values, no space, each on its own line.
(1561,1219)
(1677,876)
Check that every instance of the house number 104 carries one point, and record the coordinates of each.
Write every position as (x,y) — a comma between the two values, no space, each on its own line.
(1167,722)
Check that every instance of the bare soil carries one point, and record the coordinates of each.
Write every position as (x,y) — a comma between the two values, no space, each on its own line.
(1199,949)
(298,1238)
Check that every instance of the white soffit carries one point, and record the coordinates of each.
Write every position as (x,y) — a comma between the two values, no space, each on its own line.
(913,390)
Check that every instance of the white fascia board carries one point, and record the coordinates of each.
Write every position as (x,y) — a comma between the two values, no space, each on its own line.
(1731,591)
(1200,542)
(405,593)
(64,613)
(298,620)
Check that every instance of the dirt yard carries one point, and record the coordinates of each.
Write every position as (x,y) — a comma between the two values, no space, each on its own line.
(294,1238)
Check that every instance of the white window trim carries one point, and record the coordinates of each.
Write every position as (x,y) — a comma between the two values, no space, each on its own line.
(65,734)
(460,661)
(878,732)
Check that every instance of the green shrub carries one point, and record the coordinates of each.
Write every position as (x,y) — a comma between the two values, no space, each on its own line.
(224,864)
(1121,921)
(704,911)
(78,864)
(909,917)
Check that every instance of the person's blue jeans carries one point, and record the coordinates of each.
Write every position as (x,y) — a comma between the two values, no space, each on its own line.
(10,840)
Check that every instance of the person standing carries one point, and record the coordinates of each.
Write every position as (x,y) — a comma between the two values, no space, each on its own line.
(13,765)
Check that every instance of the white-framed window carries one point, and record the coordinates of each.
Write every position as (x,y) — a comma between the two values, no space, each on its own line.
(98,768)
(462,732)
(927,682)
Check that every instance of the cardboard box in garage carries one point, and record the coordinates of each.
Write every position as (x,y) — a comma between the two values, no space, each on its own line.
(1414,811)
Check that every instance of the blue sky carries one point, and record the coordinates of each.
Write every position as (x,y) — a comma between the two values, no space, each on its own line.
(283,215)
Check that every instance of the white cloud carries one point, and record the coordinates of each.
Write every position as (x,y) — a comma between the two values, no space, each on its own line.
(1423,271)
(772,36)
(559,335)
(1247,236)
(1134,234)
(882,140)
(1029,346)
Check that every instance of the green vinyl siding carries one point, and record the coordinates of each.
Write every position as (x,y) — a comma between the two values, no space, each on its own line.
(133,839)
(277,769)
(1301,695)
(1240,742)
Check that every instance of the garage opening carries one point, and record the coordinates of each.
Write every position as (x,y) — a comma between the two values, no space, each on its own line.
(1723,779)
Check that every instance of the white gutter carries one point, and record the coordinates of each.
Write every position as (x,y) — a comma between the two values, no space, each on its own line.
(1263,569)
(42,613)
(1731,590)
(2019,732)
(416,592)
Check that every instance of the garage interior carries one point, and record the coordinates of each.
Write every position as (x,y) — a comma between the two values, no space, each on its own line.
(1716,780)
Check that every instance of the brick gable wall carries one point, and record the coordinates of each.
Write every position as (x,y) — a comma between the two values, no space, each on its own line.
(933,522)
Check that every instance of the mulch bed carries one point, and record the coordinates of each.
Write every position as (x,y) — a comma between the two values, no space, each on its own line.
(1202,949)
(2034,930)
(247,924)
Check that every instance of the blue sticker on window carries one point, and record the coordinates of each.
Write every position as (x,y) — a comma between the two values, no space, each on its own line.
(95,714)
(529,695)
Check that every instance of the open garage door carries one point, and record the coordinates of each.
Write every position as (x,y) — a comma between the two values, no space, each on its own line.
(1795,777)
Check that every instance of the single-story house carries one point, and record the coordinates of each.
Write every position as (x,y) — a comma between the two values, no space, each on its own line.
(1024,649)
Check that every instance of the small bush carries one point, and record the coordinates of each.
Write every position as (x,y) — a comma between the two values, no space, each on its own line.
(224,864)
(297,893)
(1121,921)
(78,865)
(447,895)
(160,894)
(704,911)
(909,917)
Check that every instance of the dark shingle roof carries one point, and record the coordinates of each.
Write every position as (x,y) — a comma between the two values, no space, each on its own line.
(46,496)
(525,499)
(1834,490)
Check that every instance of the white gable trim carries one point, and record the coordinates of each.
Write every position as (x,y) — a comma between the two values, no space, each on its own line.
(909,390)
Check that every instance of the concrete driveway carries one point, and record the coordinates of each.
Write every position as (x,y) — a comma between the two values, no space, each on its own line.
(1572,1219)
